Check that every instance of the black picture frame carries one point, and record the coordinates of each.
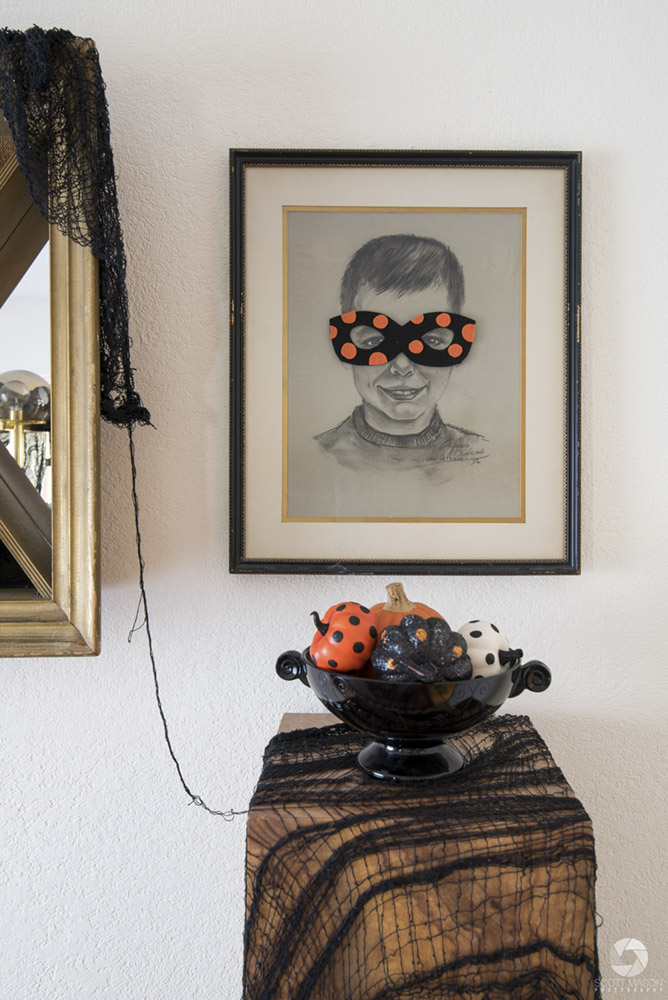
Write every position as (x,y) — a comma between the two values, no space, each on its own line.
(253,175)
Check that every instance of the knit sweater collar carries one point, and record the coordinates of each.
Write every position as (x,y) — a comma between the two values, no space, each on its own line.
(426,437)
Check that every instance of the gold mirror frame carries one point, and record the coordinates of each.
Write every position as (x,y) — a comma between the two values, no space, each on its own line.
(62,617)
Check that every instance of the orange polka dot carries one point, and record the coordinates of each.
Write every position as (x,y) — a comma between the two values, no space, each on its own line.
(455,350)
(349,317)
(443,319)
(333,332)
(349,351)
(457,650)
(468,332)
(380,322)
(416,346)
(418,319)
(378,358)
(421,634)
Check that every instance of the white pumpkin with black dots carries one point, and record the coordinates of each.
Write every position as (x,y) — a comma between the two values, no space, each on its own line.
(484,642)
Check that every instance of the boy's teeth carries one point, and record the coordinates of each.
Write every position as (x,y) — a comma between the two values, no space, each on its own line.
(402,393)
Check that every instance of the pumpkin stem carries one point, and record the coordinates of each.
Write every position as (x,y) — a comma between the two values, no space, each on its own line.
(396,599)
(321,627)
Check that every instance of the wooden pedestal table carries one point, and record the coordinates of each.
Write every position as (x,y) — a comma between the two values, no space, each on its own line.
(478,886)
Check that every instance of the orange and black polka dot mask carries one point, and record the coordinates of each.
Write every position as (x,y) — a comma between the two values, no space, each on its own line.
(436,339)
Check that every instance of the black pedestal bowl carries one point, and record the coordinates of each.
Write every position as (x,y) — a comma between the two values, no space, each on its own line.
(410,721)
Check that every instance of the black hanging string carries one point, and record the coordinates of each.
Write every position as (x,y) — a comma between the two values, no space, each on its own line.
(53,97)
(146,624)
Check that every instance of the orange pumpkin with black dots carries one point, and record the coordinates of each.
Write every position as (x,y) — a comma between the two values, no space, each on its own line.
(346,637)
(398,606)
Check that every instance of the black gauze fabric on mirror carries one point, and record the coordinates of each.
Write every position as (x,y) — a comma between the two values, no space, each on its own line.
(52,95)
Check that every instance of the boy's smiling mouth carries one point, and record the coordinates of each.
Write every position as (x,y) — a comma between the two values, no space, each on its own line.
(400,393)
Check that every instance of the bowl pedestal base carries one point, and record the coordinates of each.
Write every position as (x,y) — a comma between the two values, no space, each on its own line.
(405,760)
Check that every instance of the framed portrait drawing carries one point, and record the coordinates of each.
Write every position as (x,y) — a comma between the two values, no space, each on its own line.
(404,361)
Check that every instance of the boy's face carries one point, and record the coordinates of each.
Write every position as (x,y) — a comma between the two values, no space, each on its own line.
(400,397)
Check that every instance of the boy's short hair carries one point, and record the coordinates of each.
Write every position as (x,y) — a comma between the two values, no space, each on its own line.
(403,263)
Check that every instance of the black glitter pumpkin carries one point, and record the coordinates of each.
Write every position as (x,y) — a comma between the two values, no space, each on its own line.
(421,649)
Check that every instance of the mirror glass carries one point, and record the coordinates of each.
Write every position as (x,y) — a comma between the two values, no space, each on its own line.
(25,383)
(25,375)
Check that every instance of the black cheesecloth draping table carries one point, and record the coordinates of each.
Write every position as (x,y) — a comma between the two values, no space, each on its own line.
(478,886)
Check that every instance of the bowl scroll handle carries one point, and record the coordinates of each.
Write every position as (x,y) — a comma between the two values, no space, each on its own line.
(532,676)
(291,667)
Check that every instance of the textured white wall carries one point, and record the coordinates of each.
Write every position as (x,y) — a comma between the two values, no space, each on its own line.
(113,886)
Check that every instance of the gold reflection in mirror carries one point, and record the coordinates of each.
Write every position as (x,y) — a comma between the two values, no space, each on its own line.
(25,375)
